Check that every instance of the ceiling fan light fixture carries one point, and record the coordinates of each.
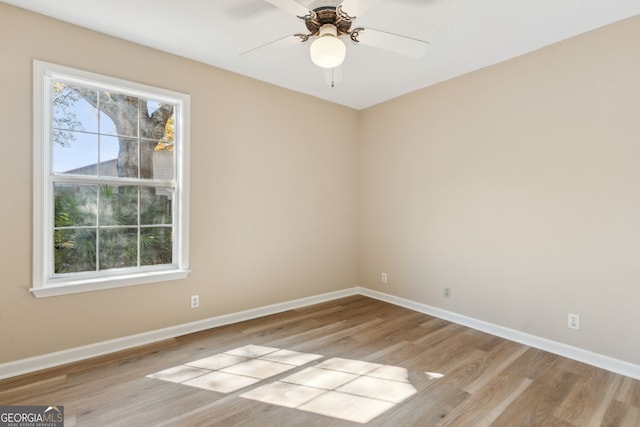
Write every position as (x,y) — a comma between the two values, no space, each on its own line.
(328,51)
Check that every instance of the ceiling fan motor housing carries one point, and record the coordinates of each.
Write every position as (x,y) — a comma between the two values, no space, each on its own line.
(328,15)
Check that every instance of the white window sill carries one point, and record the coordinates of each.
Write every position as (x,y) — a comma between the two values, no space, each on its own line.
(87,285)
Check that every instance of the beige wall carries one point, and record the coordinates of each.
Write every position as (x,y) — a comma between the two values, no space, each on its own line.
(273,206)
(517,186)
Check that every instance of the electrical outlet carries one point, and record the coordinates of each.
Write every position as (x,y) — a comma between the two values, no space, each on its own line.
(446,292)
(383,277)
(573,321)
(195,301)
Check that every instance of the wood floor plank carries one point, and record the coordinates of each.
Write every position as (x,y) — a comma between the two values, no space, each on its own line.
(629,392)
(533,363)
(589,399)
(450,376)
(632,419)
(619,414)
(21,392)
(488,402)
(424,408)
(539,400)
(496,362)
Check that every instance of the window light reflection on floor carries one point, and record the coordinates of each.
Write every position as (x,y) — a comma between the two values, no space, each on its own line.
(434,375)
(348,389)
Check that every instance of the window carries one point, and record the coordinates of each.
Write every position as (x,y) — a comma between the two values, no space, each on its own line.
(110,182)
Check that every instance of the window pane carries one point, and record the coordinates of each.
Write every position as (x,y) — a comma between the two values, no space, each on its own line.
(163,161)
(107,126)
(75,153)
(74,250)
(155,206)
(75,205)
(147,159)
(118,248)
(109,147)
(156,160)
(156,245)
(118,205)
(71,110)
(166,134)
(118,157)
(122,111)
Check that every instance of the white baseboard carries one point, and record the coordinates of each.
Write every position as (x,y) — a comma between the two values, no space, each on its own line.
(599,360)
(50,360)
(37,363)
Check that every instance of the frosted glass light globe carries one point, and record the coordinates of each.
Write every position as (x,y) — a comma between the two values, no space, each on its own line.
(328,51)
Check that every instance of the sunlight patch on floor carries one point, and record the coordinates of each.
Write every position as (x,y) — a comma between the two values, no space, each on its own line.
(348,389)
(235,369)
(434,375)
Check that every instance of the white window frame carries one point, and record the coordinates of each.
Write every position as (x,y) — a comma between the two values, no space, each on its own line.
(45,282)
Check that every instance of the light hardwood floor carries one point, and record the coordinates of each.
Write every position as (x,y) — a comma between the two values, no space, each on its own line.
(408,368)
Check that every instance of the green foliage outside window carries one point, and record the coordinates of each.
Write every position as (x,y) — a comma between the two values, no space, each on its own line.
(97,227)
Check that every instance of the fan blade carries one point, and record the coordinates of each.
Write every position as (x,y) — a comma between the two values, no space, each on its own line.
(393,42)
(290,6)
(358,7)
(285,41)
(332,76)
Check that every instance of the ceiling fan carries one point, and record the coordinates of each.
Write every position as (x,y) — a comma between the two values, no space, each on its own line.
(327,21)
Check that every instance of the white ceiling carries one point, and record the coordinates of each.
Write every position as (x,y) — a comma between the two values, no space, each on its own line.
(464,35)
